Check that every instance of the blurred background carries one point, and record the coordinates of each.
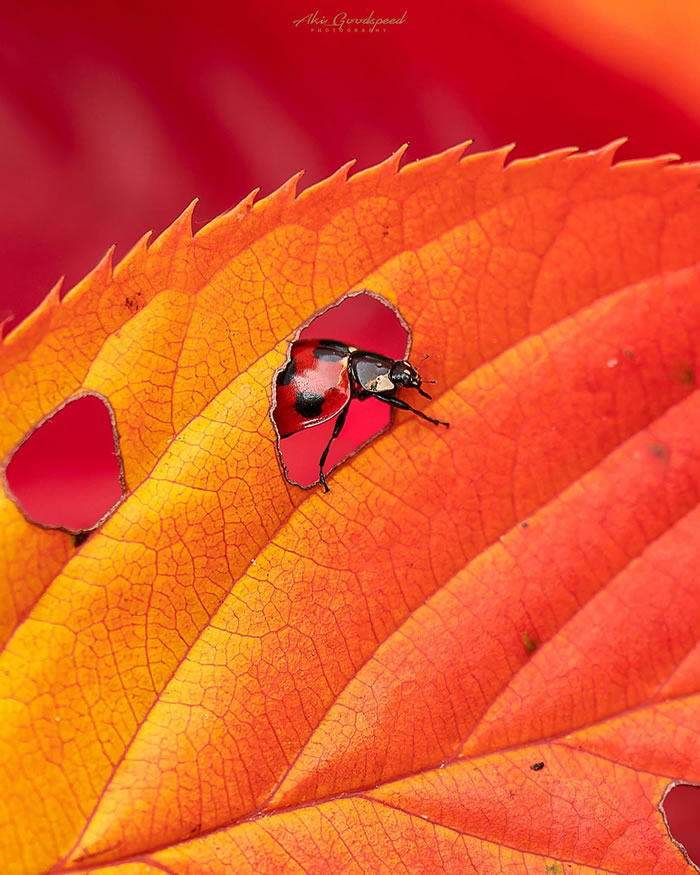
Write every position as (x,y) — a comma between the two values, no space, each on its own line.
(113,117)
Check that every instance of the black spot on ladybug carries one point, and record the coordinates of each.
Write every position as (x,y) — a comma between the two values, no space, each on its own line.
(308,404)
(286,376)
(80,538)
(537,767)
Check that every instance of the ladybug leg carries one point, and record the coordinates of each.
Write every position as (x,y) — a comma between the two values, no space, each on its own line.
(402,405)
(339,423)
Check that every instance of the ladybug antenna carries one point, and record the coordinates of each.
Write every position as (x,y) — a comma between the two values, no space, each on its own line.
(424,394)
(426,356)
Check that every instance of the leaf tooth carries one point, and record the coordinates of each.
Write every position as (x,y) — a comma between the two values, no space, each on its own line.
(458,153)
(276,203)
(180,229)
(3,325)
(387,168)
(287,191)
(334,181)
(491,161)
(40,316)
(236,213)
(243,208)
(606,154)
(280,200)
(53,297)
(556,156)
(447,159)
(393,163)
(135,258)
(655,162)
(100,275)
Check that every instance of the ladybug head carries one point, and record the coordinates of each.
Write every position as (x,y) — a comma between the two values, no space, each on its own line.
(404,375)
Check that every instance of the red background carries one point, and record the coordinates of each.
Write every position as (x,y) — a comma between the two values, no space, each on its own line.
(113,117)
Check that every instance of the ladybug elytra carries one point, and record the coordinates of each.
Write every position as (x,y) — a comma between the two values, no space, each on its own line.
(323,376)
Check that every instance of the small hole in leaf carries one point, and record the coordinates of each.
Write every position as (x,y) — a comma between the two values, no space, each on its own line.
(366,321)
(681,809)
(67,472)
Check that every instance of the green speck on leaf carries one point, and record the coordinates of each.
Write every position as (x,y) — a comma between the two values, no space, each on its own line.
(530,643)
(687,374)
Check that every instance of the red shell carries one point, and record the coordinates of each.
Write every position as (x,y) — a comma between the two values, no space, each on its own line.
(311,390)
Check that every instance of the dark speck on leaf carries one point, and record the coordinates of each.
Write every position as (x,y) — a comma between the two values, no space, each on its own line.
(687,375)
(133,302)
(659,450)
(524,525)
(529,643)
(536,767)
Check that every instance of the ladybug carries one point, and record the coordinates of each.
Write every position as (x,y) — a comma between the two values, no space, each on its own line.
(323,376)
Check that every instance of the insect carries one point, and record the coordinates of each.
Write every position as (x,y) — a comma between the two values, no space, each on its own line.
(323,376)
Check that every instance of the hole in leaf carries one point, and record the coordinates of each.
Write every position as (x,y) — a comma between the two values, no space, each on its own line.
(681,809)
(67,473)
(367,321)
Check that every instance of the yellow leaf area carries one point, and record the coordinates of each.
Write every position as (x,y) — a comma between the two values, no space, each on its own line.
(234,674)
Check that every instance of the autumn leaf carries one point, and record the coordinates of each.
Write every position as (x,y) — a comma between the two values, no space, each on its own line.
(480,651)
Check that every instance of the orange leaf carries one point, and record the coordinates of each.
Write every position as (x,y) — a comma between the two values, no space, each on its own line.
(234,674)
